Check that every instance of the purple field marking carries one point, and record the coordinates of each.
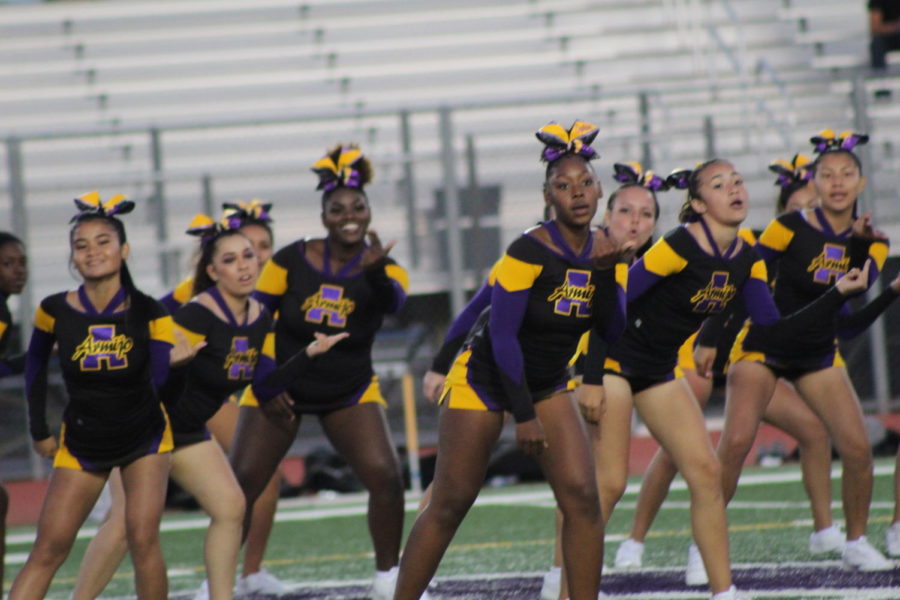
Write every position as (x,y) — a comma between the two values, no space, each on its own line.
(754,579)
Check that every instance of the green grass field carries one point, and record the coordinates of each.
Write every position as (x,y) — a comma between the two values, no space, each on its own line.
(509,531)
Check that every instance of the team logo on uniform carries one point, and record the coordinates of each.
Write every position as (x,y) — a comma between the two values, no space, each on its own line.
(575,294)
(716,295)
(241,360)
(328,304)
(103,348)
(830,264)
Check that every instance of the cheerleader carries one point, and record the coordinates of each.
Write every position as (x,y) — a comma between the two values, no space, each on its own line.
(558,277)
(115,346)
(694,271)
(785,411)
(812,248)
(333,285)
(13,276)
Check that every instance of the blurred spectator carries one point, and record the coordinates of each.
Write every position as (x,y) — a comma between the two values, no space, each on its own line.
(884,25)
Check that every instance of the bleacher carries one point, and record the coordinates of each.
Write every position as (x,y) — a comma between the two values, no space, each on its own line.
(251,93)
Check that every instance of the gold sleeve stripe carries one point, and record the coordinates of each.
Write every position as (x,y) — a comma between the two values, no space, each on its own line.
(182,291)
(582,347)
(193,337)
(273,279)
(43,321)
(492,276)
(776,236)
(398,274)
(163,330)
(268,348)
(515,275)
(3,327)
(879,253)
(747,235)
(622,275)
(759,271)
(662,260)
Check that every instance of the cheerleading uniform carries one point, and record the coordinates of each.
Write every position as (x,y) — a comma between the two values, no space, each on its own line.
(13,365)
(111,365)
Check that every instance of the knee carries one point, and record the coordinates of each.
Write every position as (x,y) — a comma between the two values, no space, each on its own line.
(384,478)
(734,446)
(579,499)
(50,551)
(450,509)
(856,456)
(704,475)
(143,537)
(814,438)
(611,489)
(230,507)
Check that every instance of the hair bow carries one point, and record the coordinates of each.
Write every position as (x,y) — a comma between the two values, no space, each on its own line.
(204,227)
(91,204)
(679,179)
(255,210)
(559,142)
(345,166)
(794,172)
(826,140)
(633,172)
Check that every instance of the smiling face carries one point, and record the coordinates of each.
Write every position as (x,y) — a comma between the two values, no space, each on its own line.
(572,191)
(721,195)
(346,216)
(632,215)
(13,268)
(234,267)
(97,250)
(838,181)
(261,239)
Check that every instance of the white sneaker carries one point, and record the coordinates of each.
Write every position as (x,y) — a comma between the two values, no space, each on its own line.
(630,554)
(729,594)
(203,592)
(830,539)
(892,539)
(261,582)
(859,554)
(695,574)
(384,584)
(552,581)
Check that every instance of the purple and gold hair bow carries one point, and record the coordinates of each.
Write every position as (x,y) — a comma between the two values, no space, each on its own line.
(679,179)
(576,140)
(255,210)
(827,140)
(633,172)
(91,204)
(206,228)
(793,172)
(343,170)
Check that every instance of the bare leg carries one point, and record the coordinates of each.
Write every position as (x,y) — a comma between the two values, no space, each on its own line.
(69,500)
(106,551)
(661,471)
(788,412)
(567,464)
(673,416)
(360,434)
(145,483)
(4,508)
(222,425)
(750,387)
(258,445)
(203,471)
(465,440)
(832,397)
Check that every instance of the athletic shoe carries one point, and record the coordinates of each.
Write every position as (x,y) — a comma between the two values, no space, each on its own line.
(261,582)
(892,539)
(203,592)
(830,539)
(695,574)
(385,583)
(552,581)
(630,554)
(860,555)
(729,594)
